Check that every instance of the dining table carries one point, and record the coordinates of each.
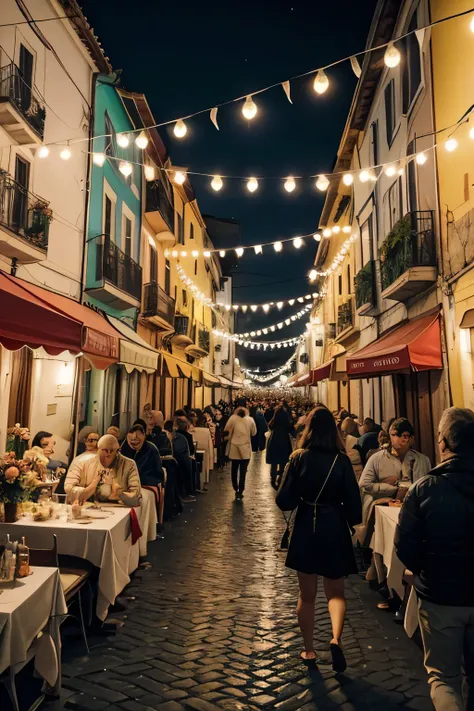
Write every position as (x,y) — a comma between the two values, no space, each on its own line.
(31,611)
(104,537)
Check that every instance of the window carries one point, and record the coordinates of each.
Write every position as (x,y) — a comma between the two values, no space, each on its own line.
(349,284)
(366,241)
(340,284)
(195,267)
(153,264)
(390,117)
(180,228)
(108,216)
(411,72)
(393,205)
(20,196)
(127,236)
(184,297)
(374,152)
(111,139)
(167,276)
(26,74)
(191,231)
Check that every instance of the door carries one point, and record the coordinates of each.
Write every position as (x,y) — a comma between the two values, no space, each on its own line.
(25,78)
(20,195)
(128,236)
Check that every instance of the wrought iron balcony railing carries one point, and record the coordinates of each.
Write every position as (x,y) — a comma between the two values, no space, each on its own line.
(116,267)
(202,337)
(364,283)
(25,99)
(181,325)
(158,303)
(157,200)
(410,243)
(345,315)
(24,213)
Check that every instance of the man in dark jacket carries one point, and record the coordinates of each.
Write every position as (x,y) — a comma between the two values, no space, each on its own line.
(435,540)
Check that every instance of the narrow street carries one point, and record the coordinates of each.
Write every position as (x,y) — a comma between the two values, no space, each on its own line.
(213,626)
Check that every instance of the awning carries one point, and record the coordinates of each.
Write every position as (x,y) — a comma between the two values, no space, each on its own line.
(292,379)
(415,346)
(225,382)
(210,379)
(186,369)
(135,352)
(322,372)
(302,380)
(339,368)
(96,338)
(172,366)
(467,319)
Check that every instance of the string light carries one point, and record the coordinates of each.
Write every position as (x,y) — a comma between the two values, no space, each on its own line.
(421,158)
(252,185)
(266,308)
(346,229)
(125,168)
(123,140)
(222,253)
(249,109)
(179,177)
(321,82)
(338,259)
(239,251)
(322,183)
(258,345)
(278,246)
(313,274)
(297,242)
(391,170)
(317,237)
(336,229)
(195,254)
(217,183)
(258,249)
(471,130)
(392,56)
(98,159)
(141,140)
(43,152)
(347,179)
(290,184)
(180,129)
(149,172)
(65,153)
(327,232)
(364,176)
(451,145)
(472,25)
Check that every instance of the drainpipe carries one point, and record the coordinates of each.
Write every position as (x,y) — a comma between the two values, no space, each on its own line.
(88,183)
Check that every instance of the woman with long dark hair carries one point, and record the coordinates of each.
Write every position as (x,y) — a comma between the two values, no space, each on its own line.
(241,428)
(279,446)
(320,485)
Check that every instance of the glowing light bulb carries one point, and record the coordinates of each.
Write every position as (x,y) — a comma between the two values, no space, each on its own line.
(180,129)
(249,109)
(43,152)
(222,253)
(149,172)
(266,308)
(327,232)
(252,185)
(298,242)
(391,170)
(141,140)
(451,145)
(471,25)
(290,184)
(253,307)
(65,154)
(278,246)
(125,168)
(174,253)
(123,140)
(346,229)
(317,237)
(216,183)
(98,159)
(206,254)
(313,274)
(239,251)
(364,176)
(421,158)
(336,229)
(321,82)
(392,56)
(322,183)
(258,249)
(184,253)
(195,253)
(279,307)
(471,132)
(347,178)
(179,177)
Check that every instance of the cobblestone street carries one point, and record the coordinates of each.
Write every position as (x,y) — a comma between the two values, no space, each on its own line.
(213,626)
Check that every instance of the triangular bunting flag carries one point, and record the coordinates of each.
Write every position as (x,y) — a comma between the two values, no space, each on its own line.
(356,67)
(286,89)
(420,36)
(214,117)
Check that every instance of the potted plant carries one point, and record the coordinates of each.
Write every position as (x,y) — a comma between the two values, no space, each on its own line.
(40,215)
(18,480)
(17,440)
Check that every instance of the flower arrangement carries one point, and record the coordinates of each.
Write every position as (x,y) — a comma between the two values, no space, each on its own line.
(20,477)
(17,440)
(42,209)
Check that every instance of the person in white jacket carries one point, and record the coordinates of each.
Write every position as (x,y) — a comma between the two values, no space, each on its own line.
(241,428)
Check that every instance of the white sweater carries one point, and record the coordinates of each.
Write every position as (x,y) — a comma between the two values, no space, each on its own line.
(241,430)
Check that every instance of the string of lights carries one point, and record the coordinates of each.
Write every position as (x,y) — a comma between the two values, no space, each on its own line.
(258,344)
(273,327)
(272,374)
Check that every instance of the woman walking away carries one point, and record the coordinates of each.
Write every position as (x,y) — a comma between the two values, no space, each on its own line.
(241,429)
(319,483)
(279,445)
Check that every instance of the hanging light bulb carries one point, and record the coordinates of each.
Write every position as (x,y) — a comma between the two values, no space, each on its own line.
(253,307)
(195,253)
(252,184)
(43,152)
(65,153)
(266,308)
(471,131)
(391,170)
(297,242)
(327,232)
(123,140)
(249,109)
(291,302)
(336,229)
(180,129)
(421,158)
(206,254)
(216,183)
(98,159)
(364,176)
(258,249)
(239,251)
(185,254)
(317,237)
(321,82)
(346,229)
(125,168)
(174,253)
(278,246)
(451,145)
(179,177)
(322,183)
(244,307)
(313,274)
(222,253)
(347,178)
(290,184)
(391,56)
(471,25)
(141,140)
(149,172)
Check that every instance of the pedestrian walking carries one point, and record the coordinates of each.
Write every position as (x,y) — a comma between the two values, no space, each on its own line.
(434,539)
(241,428)
(319,484)
(279,446)
(259,440)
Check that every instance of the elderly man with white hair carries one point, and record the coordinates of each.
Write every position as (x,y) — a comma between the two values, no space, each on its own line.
(109,476)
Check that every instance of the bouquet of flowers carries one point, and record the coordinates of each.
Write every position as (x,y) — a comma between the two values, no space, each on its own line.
(17,440)
(20,477)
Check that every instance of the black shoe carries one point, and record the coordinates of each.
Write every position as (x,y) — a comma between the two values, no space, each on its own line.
(339,663)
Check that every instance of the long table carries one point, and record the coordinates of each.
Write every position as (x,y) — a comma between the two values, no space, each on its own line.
(106,542)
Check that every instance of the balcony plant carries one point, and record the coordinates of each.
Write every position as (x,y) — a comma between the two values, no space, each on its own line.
(364,284)
(39,218)
(395,251)
(344,315)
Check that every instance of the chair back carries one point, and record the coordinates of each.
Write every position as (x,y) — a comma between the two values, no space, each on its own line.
(45,557)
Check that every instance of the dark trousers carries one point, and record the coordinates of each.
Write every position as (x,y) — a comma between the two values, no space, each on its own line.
(276,470)
(239,472)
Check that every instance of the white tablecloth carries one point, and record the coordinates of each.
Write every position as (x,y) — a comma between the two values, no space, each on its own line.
(386,519)
(203,439)
(34,604)
(106,543)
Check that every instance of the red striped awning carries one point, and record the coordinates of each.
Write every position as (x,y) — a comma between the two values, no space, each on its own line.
(321,373)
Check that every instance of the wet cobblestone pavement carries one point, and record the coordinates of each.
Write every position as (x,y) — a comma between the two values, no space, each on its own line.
(213,626)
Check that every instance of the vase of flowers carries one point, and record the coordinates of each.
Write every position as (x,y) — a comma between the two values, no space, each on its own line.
(18,480)
(17,440)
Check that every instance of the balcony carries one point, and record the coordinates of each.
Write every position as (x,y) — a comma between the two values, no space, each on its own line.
(408,257)
(345,316)
(201,344)
(331,331)
(159,210)
(22,113)
(158,306)
(364,282)
(181,329)
(113,277)
(24,222)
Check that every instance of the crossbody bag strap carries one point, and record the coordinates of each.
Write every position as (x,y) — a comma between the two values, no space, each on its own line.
(315,505)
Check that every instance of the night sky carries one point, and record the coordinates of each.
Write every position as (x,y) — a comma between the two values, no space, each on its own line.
(186,56)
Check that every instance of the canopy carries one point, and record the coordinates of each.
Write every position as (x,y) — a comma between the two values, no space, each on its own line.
(322,372)
(225,382)
(135,352)
(172,366)
(301,380)
(467,319)
(210,380)
(415,346)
